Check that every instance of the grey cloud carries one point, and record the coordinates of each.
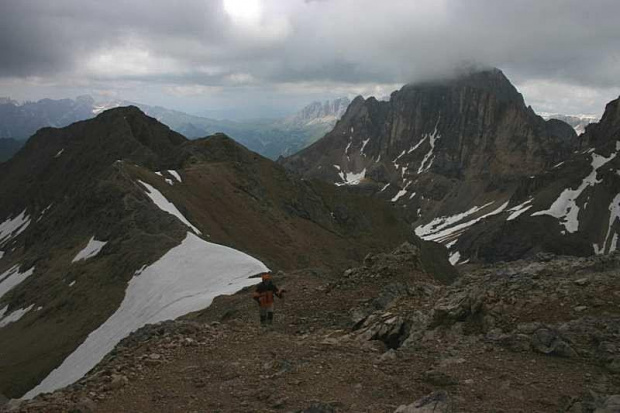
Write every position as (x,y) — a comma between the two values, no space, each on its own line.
(331,41)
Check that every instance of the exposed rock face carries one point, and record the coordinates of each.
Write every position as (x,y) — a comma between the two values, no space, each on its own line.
(467,159)
(571,208)
(88,182)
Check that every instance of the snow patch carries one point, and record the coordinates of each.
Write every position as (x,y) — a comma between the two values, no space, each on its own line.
(175,174)
(384,187)
(92,249)
(59,153)
(185,279)
(166,206)
(455,257)
(12,227)
(11,278)
(14,316)
(565,207)
(351,178)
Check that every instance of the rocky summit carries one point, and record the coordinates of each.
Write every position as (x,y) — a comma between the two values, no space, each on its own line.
(476,169)
(116,222)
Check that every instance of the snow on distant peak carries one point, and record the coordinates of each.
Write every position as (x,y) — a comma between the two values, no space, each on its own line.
(102,107)
(92,249)
(185,279)
(12,227)
(166,206)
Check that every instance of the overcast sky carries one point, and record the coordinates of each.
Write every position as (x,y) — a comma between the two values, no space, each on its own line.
(269,57)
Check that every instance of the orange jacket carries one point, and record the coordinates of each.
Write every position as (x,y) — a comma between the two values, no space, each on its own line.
(264,293)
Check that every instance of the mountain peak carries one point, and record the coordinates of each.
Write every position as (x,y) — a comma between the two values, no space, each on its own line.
(488,79)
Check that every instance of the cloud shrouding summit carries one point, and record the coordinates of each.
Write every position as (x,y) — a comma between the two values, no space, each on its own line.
(202,53)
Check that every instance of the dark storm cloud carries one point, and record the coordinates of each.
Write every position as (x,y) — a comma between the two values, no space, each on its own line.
(354,42)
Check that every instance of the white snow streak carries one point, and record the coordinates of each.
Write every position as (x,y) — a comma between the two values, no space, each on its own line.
(433,137)
(59,153)
(166,206)
(400,194)
(364,143)
(175,174)
(384,187)
(455,257)
(440,223)
(185,279)
(445,233)
(92,249)
(12,227)
(12,278)
(519,209)
(417,145)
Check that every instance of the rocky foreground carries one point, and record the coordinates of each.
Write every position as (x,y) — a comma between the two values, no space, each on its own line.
(541,335)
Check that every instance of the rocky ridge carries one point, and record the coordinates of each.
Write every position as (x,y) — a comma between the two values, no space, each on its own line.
(530,335)
(128,190)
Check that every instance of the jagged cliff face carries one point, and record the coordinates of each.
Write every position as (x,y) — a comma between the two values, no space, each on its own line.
(466,158)
(571,208)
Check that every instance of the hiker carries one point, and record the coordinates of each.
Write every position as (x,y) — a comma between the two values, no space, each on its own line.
(264,297)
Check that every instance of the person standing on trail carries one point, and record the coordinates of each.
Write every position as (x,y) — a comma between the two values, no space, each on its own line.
(264,297)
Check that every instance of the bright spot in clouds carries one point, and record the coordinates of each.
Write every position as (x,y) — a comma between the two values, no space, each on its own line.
(243,11)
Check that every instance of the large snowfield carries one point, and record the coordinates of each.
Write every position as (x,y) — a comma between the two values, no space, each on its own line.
(185,279)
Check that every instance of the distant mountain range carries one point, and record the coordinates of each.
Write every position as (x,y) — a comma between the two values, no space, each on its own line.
(578,122)
(269,137)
